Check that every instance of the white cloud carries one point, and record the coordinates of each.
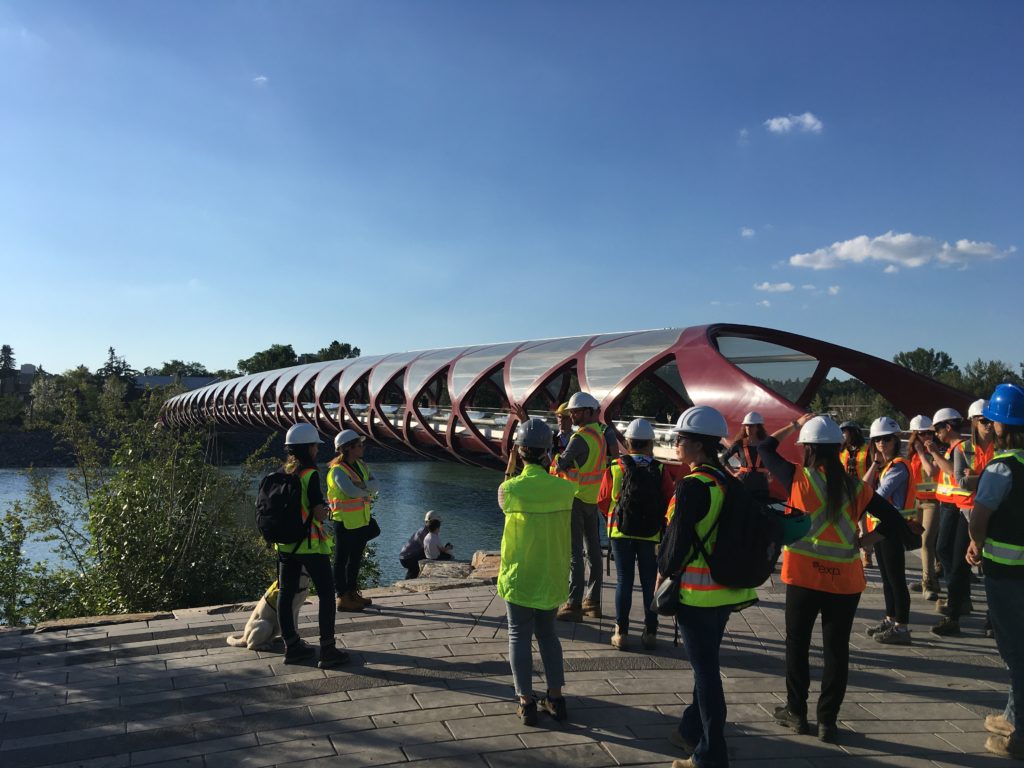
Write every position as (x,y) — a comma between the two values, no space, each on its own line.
(833,290)
(743,137)
(805,123)
(260,80)
(764,303)
(901,249)
(716,303)
(808,286)
(747,232)
(892,269)
(773,287)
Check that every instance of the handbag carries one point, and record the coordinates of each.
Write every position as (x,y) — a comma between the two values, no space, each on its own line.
(666,597)
(372,529)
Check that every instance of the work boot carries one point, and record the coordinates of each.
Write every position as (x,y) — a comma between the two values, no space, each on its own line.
(947,627)
(828,732)
(681,741)
(931,592)
(619,639)
(649,639)
(880,627)
(349,602)
(685,763)
(331,657)
(787,717)
(569,612)
(527,712)
(366,601)
(915,586)
(966,607)
(1006,746)
(865,558)
(592,609)
(297,652)
(894,636)
(999,725)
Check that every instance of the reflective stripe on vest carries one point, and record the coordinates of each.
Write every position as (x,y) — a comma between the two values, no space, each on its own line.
(947,491)
(319,541)
(909,511)
(751,463)
(1004,552)
(842,551)
(588,477)
(350,511)
(855,463)
(977,458)
(924,487)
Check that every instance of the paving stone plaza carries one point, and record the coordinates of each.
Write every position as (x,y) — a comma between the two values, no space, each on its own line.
(429,685)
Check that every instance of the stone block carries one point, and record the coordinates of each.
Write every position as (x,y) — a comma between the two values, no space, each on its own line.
(60,625)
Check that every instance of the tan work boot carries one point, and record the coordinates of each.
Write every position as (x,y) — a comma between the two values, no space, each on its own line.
(619,639)
(569,612)
(592,609)
(1006,746)
(364,600)
(999,725)
(349,602)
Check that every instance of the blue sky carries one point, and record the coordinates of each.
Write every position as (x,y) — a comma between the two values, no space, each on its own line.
(201,180)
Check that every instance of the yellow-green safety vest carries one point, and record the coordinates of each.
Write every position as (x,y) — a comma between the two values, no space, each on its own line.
(588,477)
(350,511)
(1005,552)
(319,542)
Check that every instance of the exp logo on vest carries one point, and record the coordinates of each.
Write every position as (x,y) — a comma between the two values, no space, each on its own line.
(832,569)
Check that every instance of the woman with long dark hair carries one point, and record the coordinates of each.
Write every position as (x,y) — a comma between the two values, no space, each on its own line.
(823,571)
(751,471)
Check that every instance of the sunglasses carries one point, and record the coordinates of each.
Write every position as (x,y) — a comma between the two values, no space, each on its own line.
(986,422)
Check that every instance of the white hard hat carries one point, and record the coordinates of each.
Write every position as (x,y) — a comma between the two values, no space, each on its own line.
(753,418)
(582,400)
(431,515)
(977,408)
(639,429)
(820,430)
(920,424)
(302,434)
(702,420)
(883,426)
(345,437)
(946,414)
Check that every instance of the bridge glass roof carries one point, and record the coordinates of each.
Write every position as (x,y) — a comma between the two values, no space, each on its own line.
(532,363)
(608,364)
(476,362)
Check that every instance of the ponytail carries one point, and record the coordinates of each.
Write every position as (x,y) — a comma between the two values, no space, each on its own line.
(840,487)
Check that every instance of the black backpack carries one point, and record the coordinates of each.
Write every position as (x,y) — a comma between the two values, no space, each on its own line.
(640,509)
(749,540)
(279,509)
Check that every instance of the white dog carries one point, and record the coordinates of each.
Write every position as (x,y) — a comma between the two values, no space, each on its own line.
(265,624)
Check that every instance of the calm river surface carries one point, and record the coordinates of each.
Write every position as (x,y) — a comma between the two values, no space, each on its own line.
(465,497)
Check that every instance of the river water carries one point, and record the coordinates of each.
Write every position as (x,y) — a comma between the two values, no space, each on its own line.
(464,497)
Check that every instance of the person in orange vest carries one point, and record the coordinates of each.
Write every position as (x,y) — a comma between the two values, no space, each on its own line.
(584,461)
(923,473)
(892,473)
(997,544)
(977,452)
(823,572)
(953,537)
(751,471)
(855,457)
(704,605)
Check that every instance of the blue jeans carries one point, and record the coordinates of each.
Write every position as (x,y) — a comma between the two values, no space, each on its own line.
(703,722)
(586,535)
(523,624)
(628,552)
(1006,610)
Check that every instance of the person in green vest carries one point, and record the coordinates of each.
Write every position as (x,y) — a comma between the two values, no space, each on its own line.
(704,605)
(302,442)
(997,544)
(351,490)
(533,579)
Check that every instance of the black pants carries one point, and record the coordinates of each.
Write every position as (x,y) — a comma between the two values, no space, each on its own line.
(411,565)
(319,569)
(892,563)
(348,557)
(952,549)
(802,608)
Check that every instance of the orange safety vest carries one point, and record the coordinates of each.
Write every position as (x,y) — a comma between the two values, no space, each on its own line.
(948,490)
(856,463)
(924,487)
(977,459)
(827,558)
(588,477)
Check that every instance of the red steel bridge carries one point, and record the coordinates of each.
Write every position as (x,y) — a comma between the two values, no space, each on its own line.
(457,403)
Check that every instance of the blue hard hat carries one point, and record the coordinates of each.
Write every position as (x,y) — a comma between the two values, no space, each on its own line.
(1006,405)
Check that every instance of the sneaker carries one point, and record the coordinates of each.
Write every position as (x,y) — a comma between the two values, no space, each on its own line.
(527,712)
(1006,746)
(331,657)
(999,725)
(787,717)
(947,627)
(828,732)
(880,627)
(569,612)
(678,740)
(554,707)
(298,651)
(592,609)
(619,639)
(649,639)
(931,594)
(894,636)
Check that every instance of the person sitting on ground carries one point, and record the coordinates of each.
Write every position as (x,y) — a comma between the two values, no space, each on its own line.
(414,551)
(432,547)
(532,580)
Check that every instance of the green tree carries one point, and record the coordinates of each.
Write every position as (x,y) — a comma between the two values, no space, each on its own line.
(276,356)
(335,351)
(926,361)
(982,376)
(116,367)
(180,368)
(7,365)
(225,373)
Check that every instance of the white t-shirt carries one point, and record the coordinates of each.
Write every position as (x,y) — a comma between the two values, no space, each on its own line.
(432,547)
